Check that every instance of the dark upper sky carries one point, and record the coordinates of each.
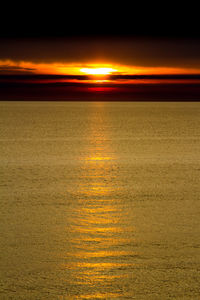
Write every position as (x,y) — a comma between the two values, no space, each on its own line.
(53,19)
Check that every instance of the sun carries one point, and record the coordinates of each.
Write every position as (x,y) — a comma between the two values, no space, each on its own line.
(98,71)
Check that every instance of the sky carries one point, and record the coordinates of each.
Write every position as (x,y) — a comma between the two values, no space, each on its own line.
(140,58)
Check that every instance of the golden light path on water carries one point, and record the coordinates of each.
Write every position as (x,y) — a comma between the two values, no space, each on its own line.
(98,260)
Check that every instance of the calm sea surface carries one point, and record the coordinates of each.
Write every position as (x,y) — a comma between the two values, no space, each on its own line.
(99,200)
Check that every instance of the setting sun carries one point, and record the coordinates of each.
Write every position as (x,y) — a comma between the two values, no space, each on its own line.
(98,71)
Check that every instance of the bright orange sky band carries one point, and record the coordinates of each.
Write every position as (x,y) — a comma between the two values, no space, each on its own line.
(96,68)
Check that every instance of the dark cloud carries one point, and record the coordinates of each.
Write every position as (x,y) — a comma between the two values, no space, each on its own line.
(6,69)
(66,79)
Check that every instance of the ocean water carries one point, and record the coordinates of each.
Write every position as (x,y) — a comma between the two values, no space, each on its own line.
(99,200)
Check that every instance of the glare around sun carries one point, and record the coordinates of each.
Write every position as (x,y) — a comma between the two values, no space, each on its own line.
(97,71)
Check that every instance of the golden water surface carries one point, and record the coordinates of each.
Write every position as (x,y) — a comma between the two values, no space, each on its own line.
(100,200)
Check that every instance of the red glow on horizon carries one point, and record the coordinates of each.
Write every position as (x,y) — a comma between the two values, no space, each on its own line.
(102,89)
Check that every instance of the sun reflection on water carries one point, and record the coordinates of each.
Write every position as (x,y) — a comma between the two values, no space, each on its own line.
(98,257)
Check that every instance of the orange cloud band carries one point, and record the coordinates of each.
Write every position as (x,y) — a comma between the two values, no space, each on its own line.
(92,69)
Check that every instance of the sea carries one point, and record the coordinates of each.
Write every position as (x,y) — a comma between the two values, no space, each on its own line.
(99,200)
